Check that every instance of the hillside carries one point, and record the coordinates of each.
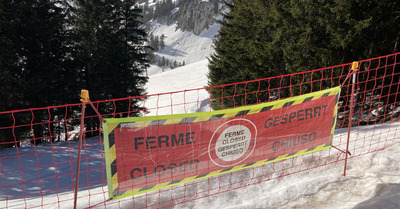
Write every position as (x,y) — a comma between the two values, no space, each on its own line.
(183,45)
(187,30)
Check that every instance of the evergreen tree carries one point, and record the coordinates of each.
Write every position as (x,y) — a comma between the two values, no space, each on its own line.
(154,42)
(46,57)
(242,50)
(10,68)
(33,62)
(110,51)
(163,62)
(33,52)
(162,41)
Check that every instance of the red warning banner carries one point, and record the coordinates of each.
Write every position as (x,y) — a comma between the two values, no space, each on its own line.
(150,153)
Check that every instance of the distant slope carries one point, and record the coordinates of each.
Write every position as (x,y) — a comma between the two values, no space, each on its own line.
(186,77)
(185,45)
(180,46)
(191,76)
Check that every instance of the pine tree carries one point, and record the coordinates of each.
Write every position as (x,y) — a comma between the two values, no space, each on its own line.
(34,52)
(162,41)
(111,48)
(33,61)
(163,61)
(111,53)
(167,62)
(242,50)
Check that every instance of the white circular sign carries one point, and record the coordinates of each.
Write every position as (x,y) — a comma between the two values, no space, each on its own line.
(233,143)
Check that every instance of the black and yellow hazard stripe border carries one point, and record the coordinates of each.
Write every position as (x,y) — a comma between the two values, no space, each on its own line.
(112,123)
(135,191)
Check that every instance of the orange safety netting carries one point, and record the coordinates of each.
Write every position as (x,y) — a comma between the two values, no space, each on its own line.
(39,147)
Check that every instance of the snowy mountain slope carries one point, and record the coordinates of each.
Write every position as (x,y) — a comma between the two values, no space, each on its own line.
(180,46)
(183,45)
(191,76)
(175,30)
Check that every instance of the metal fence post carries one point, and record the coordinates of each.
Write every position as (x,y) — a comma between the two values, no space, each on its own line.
(84,99)
(354,68)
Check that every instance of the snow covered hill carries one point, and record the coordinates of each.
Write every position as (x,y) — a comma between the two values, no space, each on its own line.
(183,46)
(180,46)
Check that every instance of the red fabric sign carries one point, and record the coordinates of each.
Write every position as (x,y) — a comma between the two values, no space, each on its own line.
(160,153)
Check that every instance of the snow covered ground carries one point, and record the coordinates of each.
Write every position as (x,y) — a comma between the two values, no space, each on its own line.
(372,180)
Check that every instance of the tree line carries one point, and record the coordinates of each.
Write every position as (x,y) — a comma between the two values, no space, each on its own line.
(264,38)
(51,49)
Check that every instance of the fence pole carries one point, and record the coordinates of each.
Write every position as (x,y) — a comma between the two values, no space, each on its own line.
(84,99)
(354,68)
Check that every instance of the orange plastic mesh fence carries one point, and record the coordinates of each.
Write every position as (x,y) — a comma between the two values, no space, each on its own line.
(39,146)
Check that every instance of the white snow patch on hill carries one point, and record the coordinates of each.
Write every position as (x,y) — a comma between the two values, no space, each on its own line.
(183,45)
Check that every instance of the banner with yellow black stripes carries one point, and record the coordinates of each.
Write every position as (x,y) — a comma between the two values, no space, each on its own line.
(150,153)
